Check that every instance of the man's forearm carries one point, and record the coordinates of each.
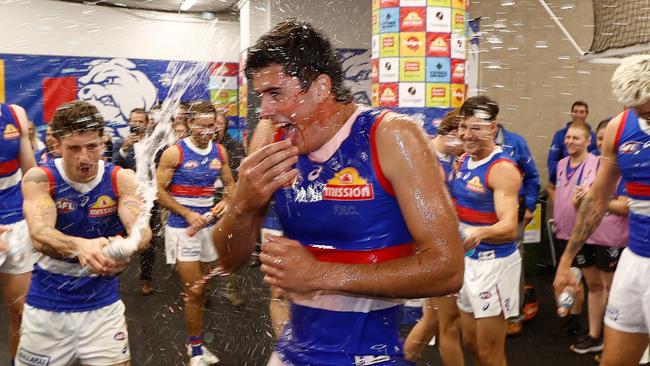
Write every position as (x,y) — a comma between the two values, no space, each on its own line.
(417,276)
(499,233)
(165,200)
(54,243)
(589,216)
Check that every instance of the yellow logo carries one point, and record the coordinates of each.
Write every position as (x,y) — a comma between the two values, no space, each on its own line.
(215,164)
(475,185)
(11,132)
(347,185)
(104,206)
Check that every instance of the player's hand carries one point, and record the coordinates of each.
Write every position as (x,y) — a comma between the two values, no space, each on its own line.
(472,238)
(564,278)
(91,255)
(196,221)
(579,194)
(117,268)
(264,172)
(219,208)
(528,216)
(287,264)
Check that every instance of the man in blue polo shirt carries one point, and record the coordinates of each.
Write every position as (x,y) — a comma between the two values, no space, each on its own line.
(557,151)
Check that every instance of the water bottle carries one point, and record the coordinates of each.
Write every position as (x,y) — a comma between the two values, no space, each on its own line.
(567,297)
(470,252)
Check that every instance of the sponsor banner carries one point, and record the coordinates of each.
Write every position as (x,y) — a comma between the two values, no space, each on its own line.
(389,70)
(388,95)
(389,20)
(413,3)
(437,95)
(375,22)
(411,94)
(438,19)
(412,44)
(218,82)
(459,4)
(458,92)
(458,21)
(224,96)
(412,69)
(412,19)
(374,51)
(375,4)
(442,3)
(389,45)
(533,231)
(458,42)
(374,94)
(457,71)
(438,70)
(374,71)
(388,3)
(438,45)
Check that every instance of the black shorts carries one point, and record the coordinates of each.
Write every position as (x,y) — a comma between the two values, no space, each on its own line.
(603,257)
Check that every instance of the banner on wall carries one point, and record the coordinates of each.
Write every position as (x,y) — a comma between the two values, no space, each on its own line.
(41,83)
(114,85)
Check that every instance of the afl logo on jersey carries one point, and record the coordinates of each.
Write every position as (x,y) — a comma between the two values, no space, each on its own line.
(629,147)
(65,205)
(11,132)
(347,185)
(104,206)
(215,164)
(191,164)
(475,185)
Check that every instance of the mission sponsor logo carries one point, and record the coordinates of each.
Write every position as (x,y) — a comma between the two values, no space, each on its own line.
(11,132)
(104,206)
(215,164)
(347,185)
(475,185)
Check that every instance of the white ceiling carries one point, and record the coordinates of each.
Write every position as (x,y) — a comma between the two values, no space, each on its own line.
(215,6)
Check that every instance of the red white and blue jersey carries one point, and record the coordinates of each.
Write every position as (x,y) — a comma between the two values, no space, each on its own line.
(344,211)
(82,210)
(632,146)
(474,200)
(197,175)
(11,197)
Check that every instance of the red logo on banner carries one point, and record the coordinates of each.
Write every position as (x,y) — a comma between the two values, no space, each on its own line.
(57,91)
(388,42)
(374,73)
(388,95)
(413,43)
(412,66)
(388,3)
(457,71)
(412,19)
(438,45)
(438,92)
(224,68)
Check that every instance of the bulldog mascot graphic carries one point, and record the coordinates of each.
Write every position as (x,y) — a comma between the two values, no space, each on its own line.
(116,87)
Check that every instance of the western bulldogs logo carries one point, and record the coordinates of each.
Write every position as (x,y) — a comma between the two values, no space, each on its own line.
(116,87)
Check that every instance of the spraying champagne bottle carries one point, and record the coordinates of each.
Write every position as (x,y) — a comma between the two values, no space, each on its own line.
(567,297)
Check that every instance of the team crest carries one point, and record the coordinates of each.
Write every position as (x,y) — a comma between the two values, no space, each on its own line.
(104,206)
(11,132)
(347,185)
(65,205)
(475,185)
(215,164)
